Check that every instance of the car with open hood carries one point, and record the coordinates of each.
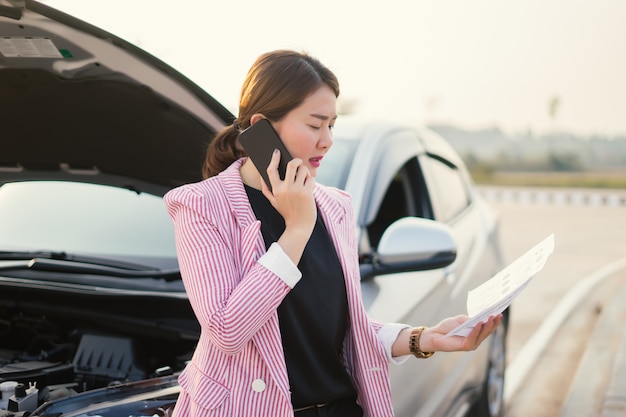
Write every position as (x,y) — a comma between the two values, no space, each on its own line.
(94,319)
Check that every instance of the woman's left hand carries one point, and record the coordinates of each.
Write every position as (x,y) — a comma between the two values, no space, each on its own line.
(434,338)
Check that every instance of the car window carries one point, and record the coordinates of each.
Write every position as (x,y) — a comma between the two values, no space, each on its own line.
(449,191)
(84,218)
(405,196)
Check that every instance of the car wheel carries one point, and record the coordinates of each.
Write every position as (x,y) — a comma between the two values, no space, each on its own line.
(491,400)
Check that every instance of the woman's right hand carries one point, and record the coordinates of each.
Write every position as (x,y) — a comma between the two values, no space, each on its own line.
(293,199)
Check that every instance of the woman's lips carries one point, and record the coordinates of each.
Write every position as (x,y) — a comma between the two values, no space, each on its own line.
(315,162)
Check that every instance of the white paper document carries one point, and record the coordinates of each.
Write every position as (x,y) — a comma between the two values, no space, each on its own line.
(494,296)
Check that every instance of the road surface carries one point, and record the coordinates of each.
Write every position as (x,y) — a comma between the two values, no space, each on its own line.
(589,235)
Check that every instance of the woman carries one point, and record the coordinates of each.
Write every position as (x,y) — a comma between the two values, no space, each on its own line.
(273,276)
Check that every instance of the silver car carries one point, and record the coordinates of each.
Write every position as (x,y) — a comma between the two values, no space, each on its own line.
(94,319)
(413,195)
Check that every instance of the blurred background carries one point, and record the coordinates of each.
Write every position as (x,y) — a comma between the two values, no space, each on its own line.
(520,88)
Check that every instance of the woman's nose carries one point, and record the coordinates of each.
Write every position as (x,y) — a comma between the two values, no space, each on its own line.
(327,139)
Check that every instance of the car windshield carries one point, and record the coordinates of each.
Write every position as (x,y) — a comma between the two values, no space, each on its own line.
(84,218)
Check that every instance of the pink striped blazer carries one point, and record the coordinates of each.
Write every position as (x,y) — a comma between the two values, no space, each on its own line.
(238,367)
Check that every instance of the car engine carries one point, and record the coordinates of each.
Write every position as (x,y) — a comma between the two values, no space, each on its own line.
(57,344)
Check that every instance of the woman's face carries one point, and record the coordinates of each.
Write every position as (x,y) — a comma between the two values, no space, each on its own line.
(307,129)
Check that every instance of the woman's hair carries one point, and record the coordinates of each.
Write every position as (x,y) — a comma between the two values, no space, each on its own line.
(278,82)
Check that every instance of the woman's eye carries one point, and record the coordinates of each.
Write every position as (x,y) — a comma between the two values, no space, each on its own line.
(315,127)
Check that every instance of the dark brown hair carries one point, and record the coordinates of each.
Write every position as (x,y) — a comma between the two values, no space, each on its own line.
(278,82)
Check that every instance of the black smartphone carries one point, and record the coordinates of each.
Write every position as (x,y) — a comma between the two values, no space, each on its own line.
(259,142)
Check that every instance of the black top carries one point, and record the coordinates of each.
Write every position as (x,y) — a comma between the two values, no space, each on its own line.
(313,316)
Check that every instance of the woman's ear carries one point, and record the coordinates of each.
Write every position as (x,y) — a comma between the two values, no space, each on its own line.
(256,117)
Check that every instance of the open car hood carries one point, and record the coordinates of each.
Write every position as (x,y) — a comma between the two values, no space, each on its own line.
(80,103)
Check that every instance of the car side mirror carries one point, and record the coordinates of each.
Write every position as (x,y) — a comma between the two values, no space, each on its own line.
(412,244)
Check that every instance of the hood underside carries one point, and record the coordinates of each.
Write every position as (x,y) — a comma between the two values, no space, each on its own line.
(78,101)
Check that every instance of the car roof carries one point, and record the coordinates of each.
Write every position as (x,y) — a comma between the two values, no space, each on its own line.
(366,129)
(78,100)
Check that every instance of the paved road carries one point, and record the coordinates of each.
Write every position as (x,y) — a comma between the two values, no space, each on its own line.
(588,236)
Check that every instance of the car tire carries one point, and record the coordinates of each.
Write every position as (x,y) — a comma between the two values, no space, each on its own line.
(490,403)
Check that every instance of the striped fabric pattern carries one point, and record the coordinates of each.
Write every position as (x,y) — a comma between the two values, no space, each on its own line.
(238,368)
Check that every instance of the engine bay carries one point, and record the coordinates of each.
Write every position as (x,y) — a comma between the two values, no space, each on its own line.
(60,344)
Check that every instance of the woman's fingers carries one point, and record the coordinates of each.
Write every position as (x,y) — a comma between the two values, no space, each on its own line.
(296,172)
(272,168)
(293,195)
(482,331)
(460,343)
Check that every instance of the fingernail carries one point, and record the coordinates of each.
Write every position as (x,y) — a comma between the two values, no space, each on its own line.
(276,151)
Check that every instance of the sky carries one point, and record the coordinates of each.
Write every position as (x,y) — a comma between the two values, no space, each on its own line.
(519,65)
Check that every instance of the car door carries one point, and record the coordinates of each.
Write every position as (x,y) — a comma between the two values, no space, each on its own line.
(404,186)
(396,188)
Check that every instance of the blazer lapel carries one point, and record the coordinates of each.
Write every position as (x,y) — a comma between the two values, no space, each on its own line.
(341,232)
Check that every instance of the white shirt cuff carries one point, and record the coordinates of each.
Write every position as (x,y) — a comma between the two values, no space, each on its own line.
(277,261)
(388,335)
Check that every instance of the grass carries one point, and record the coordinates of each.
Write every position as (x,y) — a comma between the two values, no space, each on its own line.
(605,180)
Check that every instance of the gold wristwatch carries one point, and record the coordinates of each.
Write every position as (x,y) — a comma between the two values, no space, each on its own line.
(414,343)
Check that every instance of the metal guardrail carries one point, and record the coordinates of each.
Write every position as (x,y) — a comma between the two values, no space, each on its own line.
(556,196)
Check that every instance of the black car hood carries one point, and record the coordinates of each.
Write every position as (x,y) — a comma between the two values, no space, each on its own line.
(78,102)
